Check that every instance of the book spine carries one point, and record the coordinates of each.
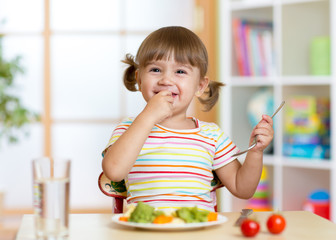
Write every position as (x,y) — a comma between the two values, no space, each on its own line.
(268,49)
(249,47)
(263,66)
(244,47)
(236,28)
(256,52)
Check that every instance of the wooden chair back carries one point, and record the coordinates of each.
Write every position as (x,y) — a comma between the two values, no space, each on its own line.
(118,192)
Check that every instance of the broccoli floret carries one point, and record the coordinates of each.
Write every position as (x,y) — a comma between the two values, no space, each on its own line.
(143,213)
(192,215)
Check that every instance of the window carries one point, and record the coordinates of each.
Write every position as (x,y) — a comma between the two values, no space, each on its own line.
(71,50)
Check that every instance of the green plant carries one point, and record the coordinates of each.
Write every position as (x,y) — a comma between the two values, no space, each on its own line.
(13,115)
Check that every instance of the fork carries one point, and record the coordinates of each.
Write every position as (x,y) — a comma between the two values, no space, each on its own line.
(255,139)
(243,215)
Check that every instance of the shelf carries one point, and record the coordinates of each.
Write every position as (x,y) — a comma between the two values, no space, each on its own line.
(323,164)
(298,184)
(307,163)
(242,5)
(285,81)
(296,23)
(297,33)
(248,4)
(288,2)
(306,80)
(252,81)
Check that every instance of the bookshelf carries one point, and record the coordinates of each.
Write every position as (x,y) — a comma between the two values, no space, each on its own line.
(295,23)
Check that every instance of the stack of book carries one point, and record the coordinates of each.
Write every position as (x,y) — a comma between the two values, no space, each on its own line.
(307,127)
(253,47)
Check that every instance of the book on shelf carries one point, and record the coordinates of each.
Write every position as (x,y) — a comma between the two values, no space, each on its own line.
(253,47)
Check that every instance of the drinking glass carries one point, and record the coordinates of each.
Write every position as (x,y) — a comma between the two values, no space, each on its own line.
(51,189)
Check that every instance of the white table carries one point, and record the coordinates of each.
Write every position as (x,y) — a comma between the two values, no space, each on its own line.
(300,226)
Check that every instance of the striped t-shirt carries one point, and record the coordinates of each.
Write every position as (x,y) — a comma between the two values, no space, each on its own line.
(174,167)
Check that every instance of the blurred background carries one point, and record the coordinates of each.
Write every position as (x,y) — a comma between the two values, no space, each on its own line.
(71,54)
(69,95)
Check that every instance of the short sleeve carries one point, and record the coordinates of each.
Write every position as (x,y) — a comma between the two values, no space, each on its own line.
(225,148)
(118,131)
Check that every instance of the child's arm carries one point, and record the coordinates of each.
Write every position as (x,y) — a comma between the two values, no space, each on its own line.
(242,180)
(121,155)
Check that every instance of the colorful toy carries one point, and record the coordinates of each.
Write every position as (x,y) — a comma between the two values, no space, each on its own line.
(318,202)
(260,199)
(307,127)
(260,103)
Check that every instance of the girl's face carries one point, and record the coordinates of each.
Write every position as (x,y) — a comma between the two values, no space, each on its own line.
(182,80)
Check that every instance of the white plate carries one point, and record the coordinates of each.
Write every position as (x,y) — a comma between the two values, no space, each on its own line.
(168,226)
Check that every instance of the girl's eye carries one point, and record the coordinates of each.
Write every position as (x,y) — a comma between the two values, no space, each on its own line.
(154,70)
(181,72)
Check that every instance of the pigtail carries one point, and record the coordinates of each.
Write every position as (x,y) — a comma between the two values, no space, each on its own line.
(212,95)
(129,74)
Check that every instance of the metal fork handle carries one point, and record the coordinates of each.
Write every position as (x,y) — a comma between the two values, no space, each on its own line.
(255,139)
(243,215)
(249,148)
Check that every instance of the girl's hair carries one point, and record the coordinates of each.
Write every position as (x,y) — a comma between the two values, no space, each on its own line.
(181,44)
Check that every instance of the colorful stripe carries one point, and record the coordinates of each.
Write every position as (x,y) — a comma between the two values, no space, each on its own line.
(174,167)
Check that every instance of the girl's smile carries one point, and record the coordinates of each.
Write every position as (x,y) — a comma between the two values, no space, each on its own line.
(173,92)
(182,80)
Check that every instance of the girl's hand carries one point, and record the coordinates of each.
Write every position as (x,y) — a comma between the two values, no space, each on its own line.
(264,133)
(159,107)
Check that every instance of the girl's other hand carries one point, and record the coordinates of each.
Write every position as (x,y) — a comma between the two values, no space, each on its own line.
(264,133)
(159,107)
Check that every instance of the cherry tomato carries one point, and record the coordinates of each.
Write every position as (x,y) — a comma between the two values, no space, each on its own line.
(276,223)
(249,227)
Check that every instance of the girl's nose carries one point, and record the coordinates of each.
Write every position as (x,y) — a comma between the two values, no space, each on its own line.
(166,80)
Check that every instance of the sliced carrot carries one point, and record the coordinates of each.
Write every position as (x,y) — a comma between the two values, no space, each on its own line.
(212,216)
(163,219)
(123,219)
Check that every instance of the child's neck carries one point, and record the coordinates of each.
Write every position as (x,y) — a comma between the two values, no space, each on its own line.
(179,123)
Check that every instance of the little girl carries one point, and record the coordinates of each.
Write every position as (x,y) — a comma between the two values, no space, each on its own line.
(166,158)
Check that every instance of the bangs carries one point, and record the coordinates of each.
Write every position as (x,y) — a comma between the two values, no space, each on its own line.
(173,42)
